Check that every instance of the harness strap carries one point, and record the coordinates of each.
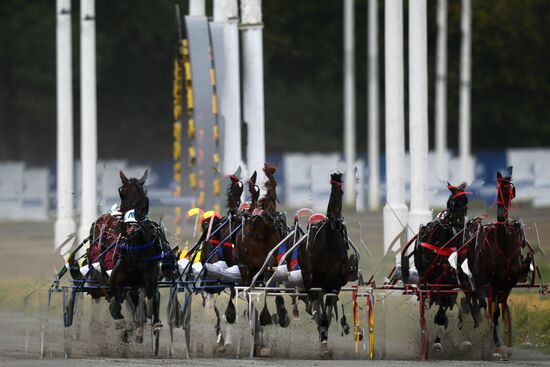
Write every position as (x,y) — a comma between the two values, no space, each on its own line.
(447,251)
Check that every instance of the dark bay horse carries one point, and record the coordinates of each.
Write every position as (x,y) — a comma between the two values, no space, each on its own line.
(138,268)
(434,246)
(105,235)
(325,264)
(263,229)
(497,262)
(140,254)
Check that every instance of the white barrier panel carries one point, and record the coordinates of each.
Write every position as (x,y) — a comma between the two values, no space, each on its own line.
(23,192)
(524,161)
(109,182)
(11,189)
(542,184)
(35,204)
(300,187)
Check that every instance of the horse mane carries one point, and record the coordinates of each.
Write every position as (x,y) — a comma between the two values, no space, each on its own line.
(334,208)
(268,201)
(233,193)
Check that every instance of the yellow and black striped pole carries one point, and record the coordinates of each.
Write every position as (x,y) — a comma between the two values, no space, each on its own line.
(216,135)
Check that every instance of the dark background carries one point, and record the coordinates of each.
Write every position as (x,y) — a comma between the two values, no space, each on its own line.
(303,75)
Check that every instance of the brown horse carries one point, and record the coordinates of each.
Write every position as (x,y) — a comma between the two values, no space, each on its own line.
(325,263)
(263,229)
(496,261)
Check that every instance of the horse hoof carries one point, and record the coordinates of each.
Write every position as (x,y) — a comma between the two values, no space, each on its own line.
(296,313)
(229,349)
(126,337)
(466,346)
(497,356)
(437,348)
(325,352)
(119,324)
(263,352)
(219,349)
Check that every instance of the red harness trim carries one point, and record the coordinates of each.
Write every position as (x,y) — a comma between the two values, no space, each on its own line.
(214,242)
(228,244)
(447,251)
(462,193)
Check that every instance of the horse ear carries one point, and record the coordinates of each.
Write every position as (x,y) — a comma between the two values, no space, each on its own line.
(462,186)
(499,175)
(237,172)
(123,178)
(144,177)
(253,177)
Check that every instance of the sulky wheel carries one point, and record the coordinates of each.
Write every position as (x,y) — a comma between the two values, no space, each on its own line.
(423,328)
(370,311)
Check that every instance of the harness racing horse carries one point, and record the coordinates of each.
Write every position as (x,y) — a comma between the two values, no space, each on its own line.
(141,253)
(263,229)
(218,255)
(325,264)
(104,237)
(437,248)
(496,261)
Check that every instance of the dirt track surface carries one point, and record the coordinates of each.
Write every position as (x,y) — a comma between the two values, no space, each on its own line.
(255,362)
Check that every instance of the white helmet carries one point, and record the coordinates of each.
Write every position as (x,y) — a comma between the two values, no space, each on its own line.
(130,216)
(115,210)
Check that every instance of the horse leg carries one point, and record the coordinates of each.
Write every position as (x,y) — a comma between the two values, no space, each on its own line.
(441,321)
(507,321)
(282,313)
(496,337)
(295,312)
(117,277)
(475,311)
(326,316)
(466,344)
(219,348)
(230,311)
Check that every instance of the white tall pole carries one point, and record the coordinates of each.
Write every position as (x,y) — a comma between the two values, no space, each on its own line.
(373,123)
(395,211)
(253,84)
(231,93)
(197,7)
(418,114)
(349,101)
(88,116)
(64,224)
(442,167)
(466,161)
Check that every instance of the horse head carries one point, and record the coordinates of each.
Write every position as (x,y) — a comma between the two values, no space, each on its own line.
(268,202)
(254,191)
(505,193)
(457,204)
(334,209)
(133,195)
(234,192)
